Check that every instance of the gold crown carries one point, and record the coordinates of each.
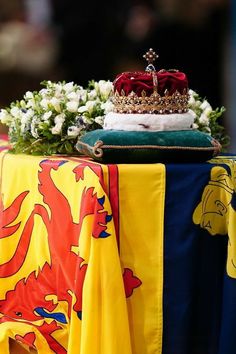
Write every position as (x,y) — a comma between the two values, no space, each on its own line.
(155,103)
(166,103)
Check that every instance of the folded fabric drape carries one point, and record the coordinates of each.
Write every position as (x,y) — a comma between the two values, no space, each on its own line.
(126,258)
(60,270)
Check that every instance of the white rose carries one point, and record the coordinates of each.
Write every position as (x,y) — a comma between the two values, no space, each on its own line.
(195,126)
(72,106)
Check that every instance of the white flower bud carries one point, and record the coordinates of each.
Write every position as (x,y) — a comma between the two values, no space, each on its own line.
(68,87)
(60,118)
(203,119)
(205,104)
(72,106)
(90,106)
(207,111)
(5,117)
(29,95)
(56,130)
(55,102)
(58,90)
(104,88)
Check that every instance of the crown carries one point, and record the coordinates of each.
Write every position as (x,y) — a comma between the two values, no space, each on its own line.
(151,91)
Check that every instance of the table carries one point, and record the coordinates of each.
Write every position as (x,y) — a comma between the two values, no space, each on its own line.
(104,259)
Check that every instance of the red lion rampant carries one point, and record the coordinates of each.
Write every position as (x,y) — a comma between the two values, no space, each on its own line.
(56,278)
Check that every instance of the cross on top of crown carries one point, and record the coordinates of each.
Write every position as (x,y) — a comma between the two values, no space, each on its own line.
(150,56)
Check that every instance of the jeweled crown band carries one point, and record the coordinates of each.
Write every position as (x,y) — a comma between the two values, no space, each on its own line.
(155,103)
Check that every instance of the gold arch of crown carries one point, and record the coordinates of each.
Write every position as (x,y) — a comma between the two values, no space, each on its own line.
(155,103)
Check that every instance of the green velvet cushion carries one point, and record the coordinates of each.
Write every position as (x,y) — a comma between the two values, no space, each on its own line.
(116,146)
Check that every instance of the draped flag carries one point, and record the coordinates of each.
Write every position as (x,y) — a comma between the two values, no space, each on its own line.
(60,274)
(110,259)
(199,307)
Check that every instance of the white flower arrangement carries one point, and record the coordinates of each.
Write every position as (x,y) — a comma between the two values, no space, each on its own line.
(50,121)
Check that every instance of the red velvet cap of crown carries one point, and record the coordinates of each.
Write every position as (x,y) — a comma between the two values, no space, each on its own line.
(168,81)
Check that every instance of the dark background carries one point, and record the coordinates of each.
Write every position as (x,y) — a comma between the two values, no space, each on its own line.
(80,41)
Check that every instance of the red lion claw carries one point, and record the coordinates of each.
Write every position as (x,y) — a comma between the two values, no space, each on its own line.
(10,214)
(130,281)
(28,339)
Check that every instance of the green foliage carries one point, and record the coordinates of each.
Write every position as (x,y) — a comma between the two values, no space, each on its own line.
(208,120)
